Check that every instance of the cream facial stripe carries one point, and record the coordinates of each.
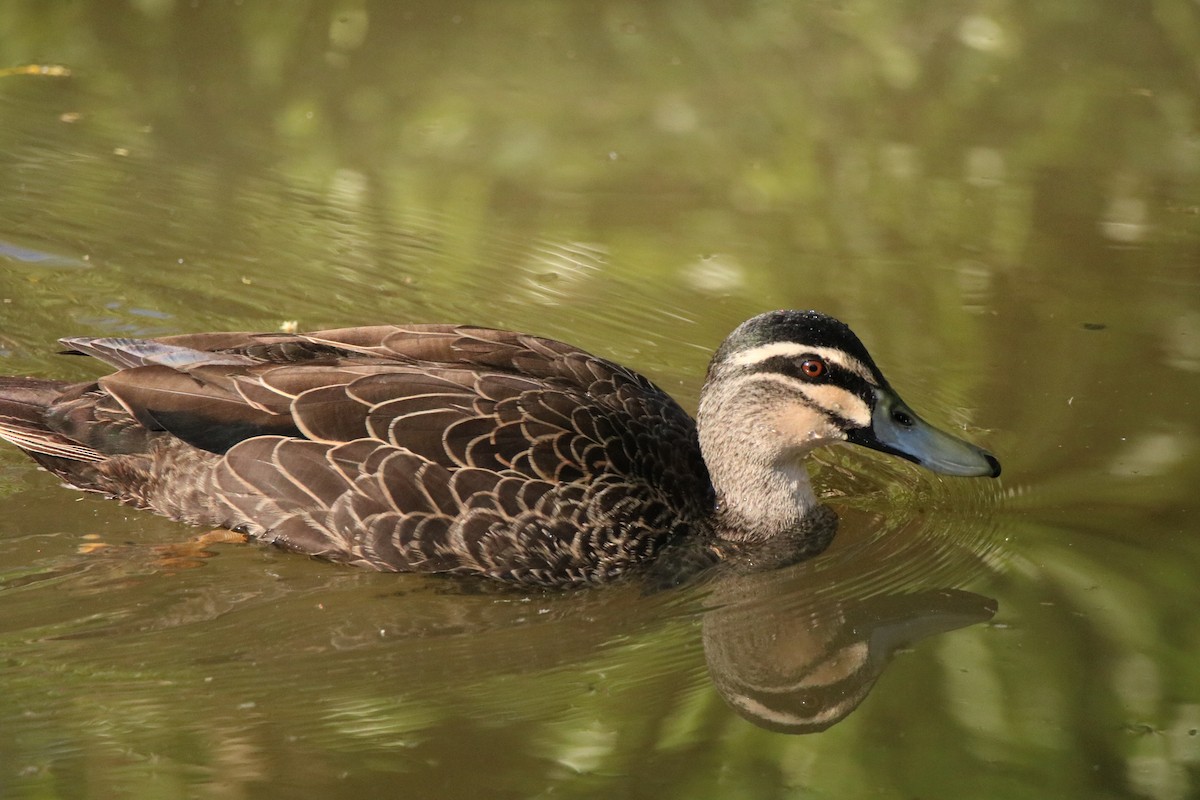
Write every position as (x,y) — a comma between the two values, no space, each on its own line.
(763,352)
(834,400)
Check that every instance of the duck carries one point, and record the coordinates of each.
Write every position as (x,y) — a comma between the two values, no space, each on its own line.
(443,448)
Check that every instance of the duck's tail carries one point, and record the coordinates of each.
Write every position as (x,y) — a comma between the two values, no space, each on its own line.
(24,403)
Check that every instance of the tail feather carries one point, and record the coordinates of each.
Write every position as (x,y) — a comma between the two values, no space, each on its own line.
(28,397)
(23,405)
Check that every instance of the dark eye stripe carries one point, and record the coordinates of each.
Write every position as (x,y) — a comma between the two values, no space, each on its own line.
(837,375)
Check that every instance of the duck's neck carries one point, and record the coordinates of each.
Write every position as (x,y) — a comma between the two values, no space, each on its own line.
(778,502)
(762,487)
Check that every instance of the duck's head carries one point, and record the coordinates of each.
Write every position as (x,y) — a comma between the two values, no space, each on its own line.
(785,382)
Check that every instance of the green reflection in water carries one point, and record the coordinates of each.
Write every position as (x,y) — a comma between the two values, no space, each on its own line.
(1002,200)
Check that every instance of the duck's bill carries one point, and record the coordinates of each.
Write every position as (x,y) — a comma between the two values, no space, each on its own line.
(897,430)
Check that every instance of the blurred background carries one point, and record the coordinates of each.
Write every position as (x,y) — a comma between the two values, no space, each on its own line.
(1002,199)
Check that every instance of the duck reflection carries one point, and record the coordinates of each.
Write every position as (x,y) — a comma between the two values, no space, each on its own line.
(803,673)
(794,658)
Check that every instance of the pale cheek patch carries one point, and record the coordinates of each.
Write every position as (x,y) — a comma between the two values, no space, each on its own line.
(837,400)
(800,424)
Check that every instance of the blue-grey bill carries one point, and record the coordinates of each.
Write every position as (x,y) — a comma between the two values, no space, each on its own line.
(897,430)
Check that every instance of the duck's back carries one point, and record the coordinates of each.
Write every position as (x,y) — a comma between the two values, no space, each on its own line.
(426,447)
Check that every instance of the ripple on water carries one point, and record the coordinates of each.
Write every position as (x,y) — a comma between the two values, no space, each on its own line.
(903,528)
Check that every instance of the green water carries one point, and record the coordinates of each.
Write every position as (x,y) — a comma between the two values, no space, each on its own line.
(1002,199)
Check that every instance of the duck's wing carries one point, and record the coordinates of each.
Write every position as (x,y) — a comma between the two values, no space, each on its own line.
(391,383)
(421,447)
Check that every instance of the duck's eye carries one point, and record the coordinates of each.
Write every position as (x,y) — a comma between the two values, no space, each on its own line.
(813,368)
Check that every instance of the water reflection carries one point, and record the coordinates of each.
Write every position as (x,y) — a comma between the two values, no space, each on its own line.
(14,252)
(785,645)
(802,673)
(792,654)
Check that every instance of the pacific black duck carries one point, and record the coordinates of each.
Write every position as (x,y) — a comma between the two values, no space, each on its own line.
(455,449)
